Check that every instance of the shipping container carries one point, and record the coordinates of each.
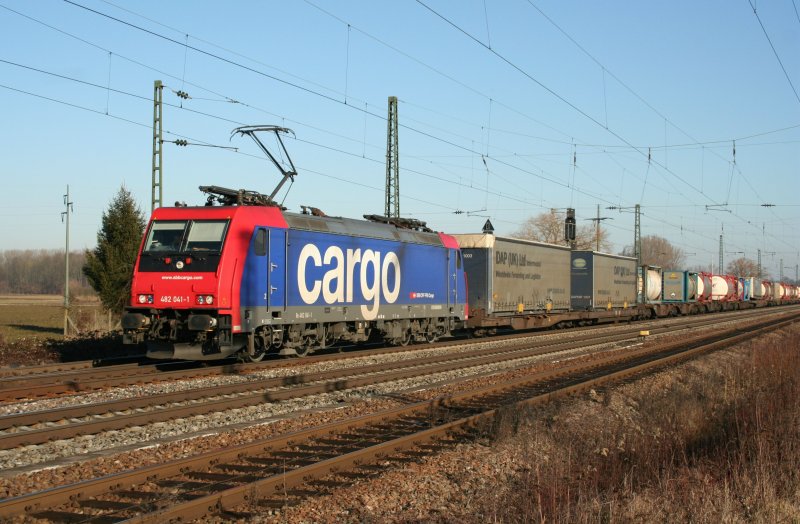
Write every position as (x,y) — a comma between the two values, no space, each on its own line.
(680,286)
(508,275)
(602,281)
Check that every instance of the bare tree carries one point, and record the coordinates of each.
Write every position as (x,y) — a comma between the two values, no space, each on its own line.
(658,251)
(742,267)
(549,228)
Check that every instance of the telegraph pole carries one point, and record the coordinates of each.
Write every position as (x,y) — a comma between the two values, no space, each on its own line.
(158,144)
(392,163)
(65,218)
(597,228)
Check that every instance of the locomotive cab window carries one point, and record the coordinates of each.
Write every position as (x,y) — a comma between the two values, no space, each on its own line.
(165,236)
(206,235)
(179,236)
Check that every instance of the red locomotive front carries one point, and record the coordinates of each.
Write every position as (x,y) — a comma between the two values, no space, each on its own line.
(183,295)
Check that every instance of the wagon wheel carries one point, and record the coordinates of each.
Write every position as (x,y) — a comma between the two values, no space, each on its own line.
(431,337)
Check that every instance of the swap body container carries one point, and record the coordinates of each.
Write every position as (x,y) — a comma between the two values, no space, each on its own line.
(602,281)
(508,275)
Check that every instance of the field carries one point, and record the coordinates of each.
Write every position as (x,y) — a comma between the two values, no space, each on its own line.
(42,316)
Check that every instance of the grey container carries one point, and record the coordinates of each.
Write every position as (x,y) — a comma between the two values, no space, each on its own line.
(602,281)
(509,275)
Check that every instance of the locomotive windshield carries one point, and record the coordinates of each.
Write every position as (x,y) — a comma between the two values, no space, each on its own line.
(181,236)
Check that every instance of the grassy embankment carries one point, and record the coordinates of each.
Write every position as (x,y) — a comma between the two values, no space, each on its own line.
(716,441)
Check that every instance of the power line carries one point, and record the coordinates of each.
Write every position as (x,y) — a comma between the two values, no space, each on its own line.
(764,29)
(435,70)
(359,109)
(551,91)
(466,149)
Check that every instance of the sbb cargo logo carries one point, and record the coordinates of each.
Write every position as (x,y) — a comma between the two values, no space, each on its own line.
(347,271)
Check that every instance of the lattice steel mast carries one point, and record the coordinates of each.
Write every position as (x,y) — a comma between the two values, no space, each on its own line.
(158,144)
(392,163)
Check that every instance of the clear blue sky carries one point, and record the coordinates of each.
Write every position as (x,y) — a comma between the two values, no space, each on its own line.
(548,104)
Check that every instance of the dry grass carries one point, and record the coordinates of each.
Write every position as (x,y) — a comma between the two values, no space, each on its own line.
(717,442)
(42,316)
(32,326)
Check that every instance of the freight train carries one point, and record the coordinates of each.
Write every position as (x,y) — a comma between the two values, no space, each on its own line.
(243,277)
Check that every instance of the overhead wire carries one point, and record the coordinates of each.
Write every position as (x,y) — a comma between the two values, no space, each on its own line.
(515,167)
(774,51)
(332,99)
(554,93)
(546,88)
(627,87)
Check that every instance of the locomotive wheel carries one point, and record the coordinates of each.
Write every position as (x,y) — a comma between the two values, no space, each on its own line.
(405,338)
(258,357)
(303,349)
(430,338)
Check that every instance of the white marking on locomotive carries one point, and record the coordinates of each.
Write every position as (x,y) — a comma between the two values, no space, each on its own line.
(337,284)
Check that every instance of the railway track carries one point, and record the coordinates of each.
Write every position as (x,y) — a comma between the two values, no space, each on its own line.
(70,378)
(38,427)
(273,471)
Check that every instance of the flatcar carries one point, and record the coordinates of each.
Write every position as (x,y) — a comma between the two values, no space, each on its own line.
(247,278)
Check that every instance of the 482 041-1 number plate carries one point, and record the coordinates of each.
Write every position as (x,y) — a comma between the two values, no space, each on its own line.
(174,299)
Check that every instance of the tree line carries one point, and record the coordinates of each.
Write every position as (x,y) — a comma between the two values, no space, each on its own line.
(41,271)
(106,270)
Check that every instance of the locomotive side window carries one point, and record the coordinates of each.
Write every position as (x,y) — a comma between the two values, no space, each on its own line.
(165,236)
(206,235)
(261,242)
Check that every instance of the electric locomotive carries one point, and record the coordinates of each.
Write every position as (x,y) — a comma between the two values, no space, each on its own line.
(248,278)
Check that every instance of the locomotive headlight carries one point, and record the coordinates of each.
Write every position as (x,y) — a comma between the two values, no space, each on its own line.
(209,299)
(145,299)
(201,300)
(205,299)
